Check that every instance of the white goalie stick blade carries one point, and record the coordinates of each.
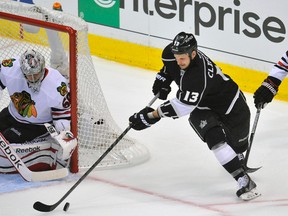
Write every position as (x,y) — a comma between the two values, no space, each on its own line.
(27,174)
(49,175)
(250,195)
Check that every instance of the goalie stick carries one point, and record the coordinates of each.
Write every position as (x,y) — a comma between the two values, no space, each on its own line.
(27,174)
(42,207)
(248,169)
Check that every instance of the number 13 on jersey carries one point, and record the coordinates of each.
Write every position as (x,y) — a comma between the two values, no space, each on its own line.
(191,96)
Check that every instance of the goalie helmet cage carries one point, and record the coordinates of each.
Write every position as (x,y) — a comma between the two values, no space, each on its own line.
(58,36)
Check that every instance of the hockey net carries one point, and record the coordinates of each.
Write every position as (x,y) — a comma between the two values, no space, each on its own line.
(61,38)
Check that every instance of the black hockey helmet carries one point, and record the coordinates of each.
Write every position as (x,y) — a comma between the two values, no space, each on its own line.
(184,43)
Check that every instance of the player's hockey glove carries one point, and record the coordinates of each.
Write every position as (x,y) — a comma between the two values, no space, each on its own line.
(162,85)
(266,92)
(140,120)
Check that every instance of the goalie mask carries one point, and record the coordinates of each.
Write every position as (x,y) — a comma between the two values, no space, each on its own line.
(32,65)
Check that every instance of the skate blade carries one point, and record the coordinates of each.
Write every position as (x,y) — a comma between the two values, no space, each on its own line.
(250,195)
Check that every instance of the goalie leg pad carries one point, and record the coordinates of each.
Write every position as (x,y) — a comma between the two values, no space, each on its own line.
(38,156)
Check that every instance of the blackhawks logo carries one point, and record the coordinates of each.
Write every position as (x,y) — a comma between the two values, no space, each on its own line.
(62,89)
(24,104)
(8,62)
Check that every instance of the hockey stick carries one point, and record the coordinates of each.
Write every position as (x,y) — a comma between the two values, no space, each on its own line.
(39,206)
(51,130)
(20,166)
(248,169)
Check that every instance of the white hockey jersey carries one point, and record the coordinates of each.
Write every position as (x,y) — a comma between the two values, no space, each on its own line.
(51,103)
(280,70)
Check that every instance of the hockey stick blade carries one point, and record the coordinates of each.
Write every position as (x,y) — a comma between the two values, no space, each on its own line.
(45,208)
(42,207)
(50,175)
(251,170)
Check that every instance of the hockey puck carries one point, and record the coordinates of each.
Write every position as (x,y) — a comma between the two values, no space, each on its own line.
(66,206)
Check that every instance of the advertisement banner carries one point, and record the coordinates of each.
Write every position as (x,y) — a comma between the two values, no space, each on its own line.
(103,12)
(244,33)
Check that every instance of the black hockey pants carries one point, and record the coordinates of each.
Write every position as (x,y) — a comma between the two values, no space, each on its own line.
(214,128)
(16,132)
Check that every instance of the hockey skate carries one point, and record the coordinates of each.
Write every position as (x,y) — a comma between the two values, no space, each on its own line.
(248,190)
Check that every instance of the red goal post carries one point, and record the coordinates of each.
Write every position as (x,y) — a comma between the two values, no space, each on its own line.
(55,33)
(72,65)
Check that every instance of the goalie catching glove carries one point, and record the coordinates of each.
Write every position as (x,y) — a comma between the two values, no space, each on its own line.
(266,92)
(143,119)
(68,144)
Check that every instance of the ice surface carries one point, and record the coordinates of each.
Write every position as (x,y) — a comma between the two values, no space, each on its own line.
(182,176)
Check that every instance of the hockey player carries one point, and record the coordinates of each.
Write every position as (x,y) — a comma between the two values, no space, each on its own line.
(269,87)
(217,108)
(38,95)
